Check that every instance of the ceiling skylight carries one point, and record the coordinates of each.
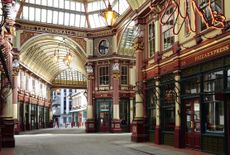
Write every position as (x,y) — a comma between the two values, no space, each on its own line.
(70,12)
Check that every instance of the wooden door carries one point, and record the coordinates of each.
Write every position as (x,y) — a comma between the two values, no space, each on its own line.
(192,124)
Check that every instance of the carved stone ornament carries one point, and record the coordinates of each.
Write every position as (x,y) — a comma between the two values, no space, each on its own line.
(89,69)
(115,67)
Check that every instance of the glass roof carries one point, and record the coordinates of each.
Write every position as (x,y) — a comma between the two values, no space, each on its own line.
(127,40)
(75,13)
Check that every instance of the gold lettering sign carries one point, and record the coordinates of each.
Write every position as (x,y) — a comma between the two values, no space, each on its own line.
(212,53)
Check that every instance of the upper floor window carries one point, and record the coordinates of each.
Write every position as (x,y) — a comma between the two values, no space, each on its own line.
(124,75)
(104,75)
(216,6)
(151,39)
(167,29)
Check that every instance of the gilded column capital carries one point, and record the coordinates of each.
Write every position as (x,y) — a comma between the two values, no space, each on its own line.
(138,43)
(90,76)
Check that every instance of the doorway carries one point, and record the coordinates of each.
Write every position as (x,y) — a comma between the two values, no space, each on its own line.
(192,123)
(103,115)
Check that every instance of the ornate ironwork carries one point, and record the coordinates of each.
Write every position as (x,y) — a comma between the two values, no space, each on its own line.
(211,17)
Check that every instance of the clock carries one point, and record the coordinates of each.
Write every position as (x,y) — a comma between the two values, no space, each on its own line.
(103,47)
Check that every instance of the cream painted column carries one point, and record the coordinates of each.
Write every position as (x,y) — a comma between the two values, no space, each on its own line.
(131,109)
(157,84)
(139,56)
(177,100)
(158,114)
(177,132)
(132,76)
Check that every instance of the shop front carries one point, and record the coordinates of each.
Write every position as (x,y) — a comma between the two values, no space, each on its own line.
(205,99)
(104,114)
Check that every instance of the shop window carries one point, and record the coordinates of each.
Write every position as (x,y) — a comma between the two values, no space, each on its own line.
(124,75)
(214,115)
(167,29)
(191,86)
(151,104)
(213,81)
(168,106)
(104,75)
(228,79)
(151,39)
(216,5)
(214,101)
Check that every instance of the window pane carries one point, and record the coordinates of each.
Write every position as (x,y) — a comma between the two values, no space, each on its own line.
(55,3)
(44,2)
(66,18)
(31,13)
(72,19)
(32,1)
(50,2)
(61,18)
(25,12)
(72,5)
(38,14)
(43,15)
(55,17)
(38,2)
(61,3)
(49,16)
(215,116)
(77,20)
(67,4)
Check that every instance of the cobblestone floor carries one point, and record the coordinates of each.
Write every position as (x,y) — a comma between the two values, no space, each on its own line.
(74,141)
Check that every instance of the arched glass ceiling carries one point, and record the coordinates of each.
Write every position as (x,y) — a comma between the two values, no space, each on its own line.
(126,43)
(38,54)
(75,13)
(70,77)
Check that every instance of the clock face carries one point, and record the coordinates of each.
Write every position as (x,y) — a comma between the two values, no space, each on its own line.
(104,47)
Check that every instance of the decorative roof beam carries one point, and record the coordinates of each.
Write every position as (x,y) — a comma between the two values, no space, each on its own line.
(22,3)
(86,13)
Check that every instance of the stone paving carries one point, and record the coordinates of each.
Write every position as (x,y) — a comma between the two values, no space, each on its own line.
(74,141)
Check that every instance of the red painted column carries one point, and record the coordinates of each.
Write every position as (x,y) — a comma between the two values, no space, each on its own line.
(15,103)
(116,127)
(138,130)
(90,122)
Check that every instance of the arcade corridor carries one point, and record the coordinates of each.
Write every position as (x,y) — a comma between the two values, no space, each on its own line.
(155,72)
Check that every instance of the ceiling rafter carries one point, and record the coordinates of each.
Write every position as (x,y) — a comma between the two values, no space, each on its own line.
(86,13)
(22,3)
